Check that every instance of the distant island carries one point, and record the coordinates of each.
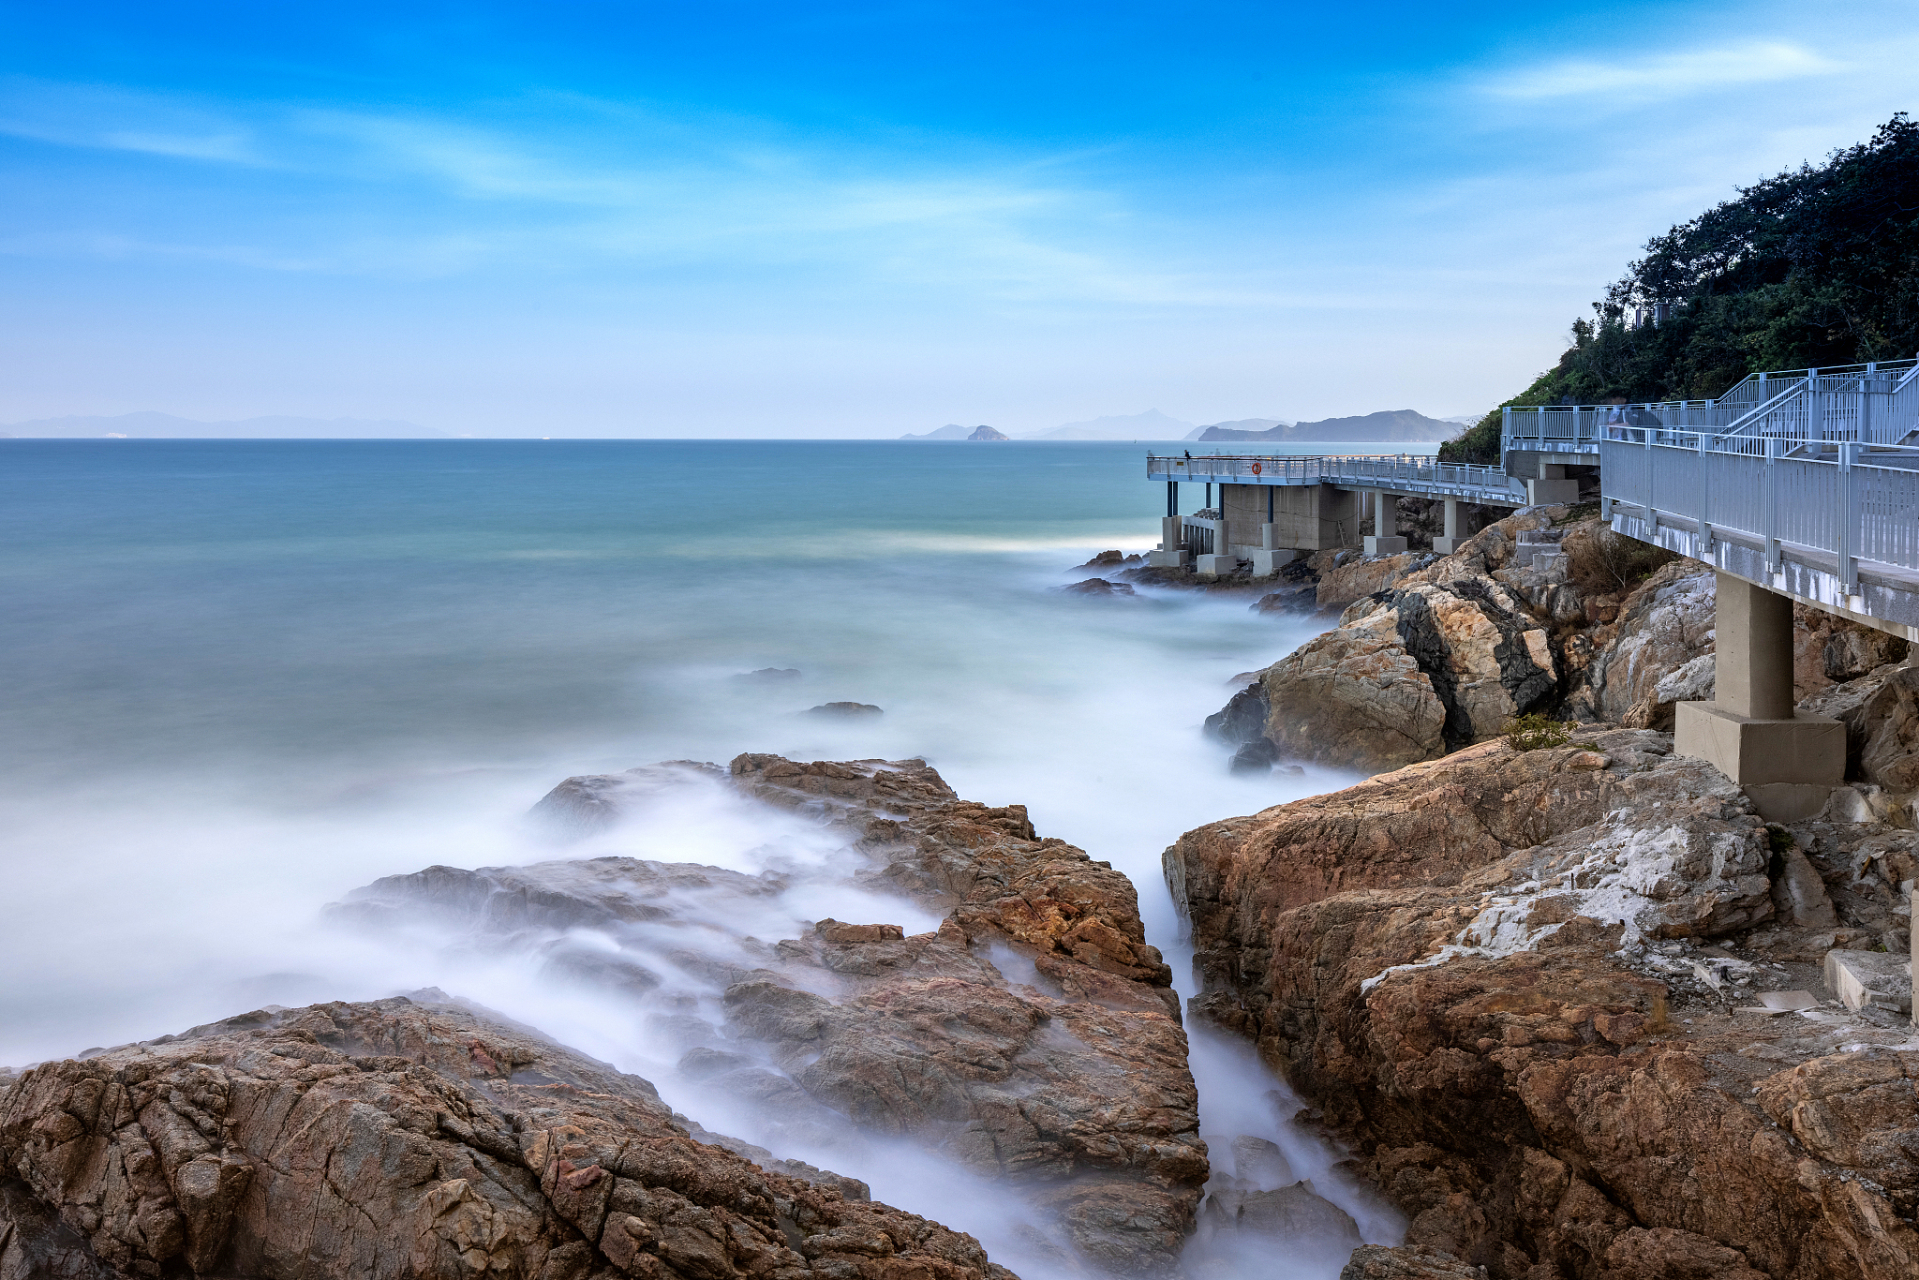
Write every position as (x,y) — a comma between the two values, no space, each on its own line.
(1386,426)
(953,431)
(164,426)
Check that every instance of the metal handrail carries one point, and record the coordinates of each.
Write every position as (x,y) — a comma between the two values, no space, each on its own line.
(1834,402)
(1409,472)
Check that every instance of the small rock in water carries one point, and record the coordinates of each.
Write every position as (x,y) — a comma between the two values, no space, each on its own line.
(839,931)
(1105,558)
(1098,587)
(845,710)
(768,675)
(1257,756)
(1260,1163)
(1293,600)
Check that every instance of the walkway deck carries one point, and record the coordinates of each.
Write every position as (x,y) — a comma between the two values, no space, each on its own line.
(1415,475)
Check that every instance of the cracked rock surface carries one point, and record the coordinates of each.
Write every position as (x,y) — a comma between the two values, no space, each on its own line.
(1515,982)
(407,1138)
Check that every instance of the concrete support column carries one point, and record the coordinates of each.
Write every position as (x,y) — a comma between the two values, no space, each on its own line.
(1551,485)
(1786,763)
(1448,542)
(1170,555)
(1754,668)
(1382,542)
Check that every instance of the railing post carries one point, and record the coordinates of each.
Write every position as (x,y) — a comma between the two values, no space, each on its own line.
(1705,497)
(1772,504)
(1848,518)
(1652,512)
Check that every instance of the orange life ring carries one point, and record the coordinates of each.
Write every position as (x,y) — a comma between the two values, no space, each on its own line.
(1255,468)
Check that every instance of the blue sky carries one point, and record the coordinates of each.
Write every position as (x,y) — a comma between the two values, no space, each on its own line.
(864,219)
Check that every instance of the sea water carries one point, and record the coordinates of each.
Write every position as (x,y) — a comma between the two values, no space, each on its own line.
(242,678)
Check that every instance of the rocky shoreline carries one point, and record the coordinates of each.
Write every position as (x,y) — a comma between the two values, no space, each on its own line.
(1524,981)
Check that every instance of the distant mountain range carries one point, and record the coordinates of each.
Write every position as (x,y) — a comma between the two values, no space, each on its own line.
(1151,425)
(164,426)
(1388,426)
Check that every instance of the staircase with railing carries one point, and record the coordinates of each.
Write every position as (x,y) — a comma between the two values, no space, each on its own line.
(1807,481)
(1875,403)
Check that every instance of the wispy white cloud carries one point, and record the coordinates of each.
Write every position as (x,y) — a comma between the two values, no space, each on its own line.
(1663,75)
(600,185)
(109,118)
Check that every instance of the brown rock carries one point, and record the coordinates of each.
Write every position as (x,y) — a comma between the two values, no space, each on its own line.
(1407,676)
(1341,585)
(1881,715)
(1443,958)
(1033,1038)
(1377,1262)
(1353,699)
(401,1139)
(1098,587)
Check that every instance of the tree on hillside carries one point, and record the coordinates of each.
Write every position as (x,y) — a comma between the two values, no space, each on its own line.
(1815,266)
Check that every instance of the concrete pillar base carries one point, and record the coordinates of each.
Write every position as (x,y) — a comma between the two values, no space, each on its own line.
(1446,546)
(1166,559)
(1547,491)
(1783,765)
(1267,562)
(1218,564)
(1378,546)
(1788,801)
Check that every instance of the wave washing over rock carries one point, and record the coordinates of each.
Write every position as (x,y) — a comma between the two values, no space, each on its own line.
(1027,1046)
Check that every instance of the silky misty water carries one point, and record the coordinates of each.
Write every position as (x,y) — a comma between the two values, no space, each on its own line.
(243,678)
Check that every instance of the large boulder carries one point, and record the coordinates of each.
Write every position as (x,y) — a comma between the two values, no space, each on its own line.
(1504,978)
(1409,675)
(407,1140)
(1361,576)
(1665,623)
(1881,715)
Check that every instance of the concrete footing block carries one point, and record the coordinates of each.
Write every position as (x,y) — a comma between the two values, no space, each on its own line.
(1787,767)
(1216,564)
(1166,559)
(1870,979)
(1267,563)
(1446,546)
(1378,546)
(1787,801)
(1539,492)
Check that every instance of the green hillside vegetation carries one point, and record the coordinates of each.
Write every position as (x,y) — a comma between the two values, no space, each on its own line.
(1817,266)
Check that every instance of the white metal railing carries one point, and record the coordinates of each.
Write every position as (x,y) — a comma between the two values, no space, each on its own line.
(1875,403)
(1406,473)
(1861,503)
